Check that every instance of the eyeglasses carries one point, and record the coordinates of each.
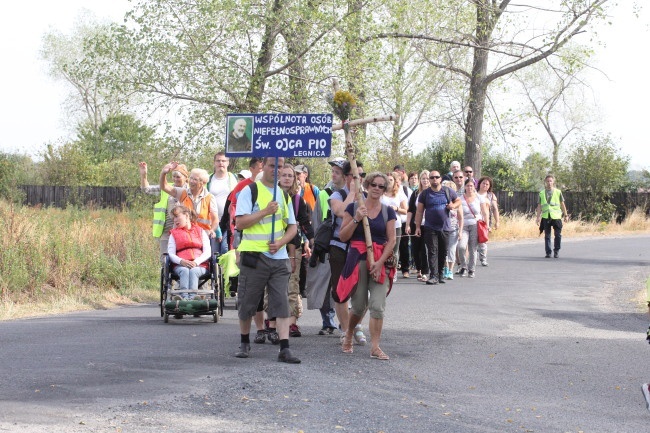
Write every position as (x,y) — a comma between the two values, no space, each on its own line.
(469,171)
(376,185)
(434,177)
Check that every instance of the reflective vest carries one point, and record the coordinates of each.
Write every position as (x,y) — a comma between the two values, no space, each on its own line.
(553,208)
(203,218)
(189,243)
(257,237)
(160,214)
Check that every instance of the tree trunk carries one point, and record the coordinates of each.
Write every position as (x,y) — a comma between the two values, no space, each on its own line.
(264,59)
(486,17)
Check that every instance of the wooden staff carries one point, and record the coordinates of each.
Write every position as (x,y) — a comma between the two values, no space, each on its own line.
(352,158)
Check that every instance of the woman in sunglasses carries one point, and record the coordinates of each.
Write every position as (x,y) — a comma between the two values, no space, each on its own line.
(368,286)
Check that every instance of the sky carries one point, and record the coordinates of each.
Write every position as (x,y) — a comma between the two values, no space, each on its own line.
(31,113)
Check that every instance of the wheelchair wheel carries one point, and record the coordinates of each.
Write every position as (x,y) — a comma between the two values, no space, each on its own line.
(215,316)
(163,292)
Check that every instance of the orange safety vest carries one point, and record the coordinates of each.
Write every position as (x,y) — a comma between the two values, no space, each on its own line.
(203,218)
(189,243)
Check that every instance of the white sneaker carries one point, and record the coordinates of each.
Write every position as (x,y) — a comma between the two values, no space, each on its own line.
(645,389)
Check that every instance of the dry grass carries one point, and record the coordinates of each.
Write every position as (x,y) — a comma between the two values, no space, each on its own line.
(518,226)
(54,261)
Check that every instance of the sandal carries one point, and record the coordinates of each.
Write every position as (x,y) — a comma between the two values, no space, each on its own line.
(347,345)
(380,355)
(406,275)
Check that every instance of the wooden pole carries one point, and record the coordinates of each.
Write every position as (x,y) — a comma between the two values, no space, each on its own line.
(352,158)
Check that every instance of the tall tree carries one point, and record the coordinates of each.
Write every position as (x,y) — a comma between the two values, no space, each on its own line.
(513,35)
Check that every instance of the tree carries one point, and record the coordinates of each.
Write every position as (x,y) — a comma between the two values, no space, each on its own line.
(597,170)
(71,60)
(509,32)
(555,95)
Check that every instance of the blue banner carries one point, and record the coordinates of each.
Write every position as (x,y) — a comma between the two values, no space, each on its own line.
(286,135)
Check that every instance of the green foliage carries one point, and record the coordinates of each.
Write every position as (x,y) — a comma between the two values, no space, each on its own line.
(596,169)
(439,154)
(120,136)
(15,170)
(533,171)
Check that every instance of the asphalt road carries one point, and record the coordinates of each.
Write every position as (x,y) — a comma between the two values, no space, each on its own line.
(529,345)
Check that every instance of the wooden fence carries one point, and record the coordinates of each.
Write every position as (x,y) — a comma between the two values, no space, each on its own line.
(124,197)
(63,196)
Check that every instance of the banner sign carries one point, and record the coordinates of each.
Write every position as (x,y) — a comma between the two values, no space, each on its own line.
(285,135)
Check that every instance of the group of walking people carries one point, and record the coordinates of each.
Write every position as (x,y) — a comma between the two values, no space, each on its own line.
(293,239)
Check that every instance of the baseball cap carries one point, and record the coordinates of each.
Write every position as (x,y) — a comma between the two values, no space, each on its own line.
(245,174)
(339,162)
(300,168)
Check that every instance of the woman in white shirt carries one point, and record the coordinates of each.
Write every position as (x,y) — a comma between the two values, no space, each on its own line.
(395,198)
(474,209)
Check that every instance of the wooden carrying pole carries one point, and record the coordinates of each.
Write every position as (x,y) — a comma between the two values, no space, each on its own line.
(351,155)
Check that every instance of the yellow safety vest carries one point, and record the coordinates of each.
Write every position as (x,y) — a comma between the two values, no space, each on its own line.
(257,237)
(553,208)
(160,214)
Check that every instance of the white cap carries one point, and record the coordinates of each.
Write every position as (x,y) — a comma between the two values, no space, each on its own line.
(245,174)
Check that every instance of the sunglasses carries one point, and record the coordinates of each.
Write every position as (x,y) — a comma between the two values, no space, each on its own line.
(469,171)
(376,185)
(434,177)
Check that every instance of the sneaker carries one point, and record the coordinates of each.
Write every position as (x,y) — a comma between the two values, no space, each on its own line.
(432,281)
(285,355)
(273,337)
(445,272)
(470,274)
(260,337)
(548,256)
(462,271)
(294,331)
(556,255)
(484,262)
(244,351)
(450,275)
(441,279)
(645,389)
(359,336)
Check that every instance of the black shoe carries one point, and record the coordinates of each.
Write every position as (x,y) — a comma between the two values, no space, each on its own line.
(462,272)
(441,279)
(244,351)
(273,337)
(556,255)
(548,256)
(303,294)
(294,331)
(286,356)
(260,337)
(432,281)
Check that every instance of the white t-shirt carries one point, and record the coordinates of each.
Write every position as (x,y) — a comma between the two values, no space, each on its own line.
(220,189)
(395,201)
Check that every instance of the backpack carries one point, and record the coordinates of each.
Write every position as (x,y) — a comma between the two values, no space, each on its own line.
(444,188)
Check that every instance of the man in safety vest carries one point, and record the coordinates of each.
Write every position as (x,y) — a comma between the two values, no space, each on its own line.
(550,212)
(268,224)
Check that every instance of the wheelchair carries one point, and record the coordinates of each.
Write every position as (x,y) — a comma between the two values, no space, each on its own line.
(211,290)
